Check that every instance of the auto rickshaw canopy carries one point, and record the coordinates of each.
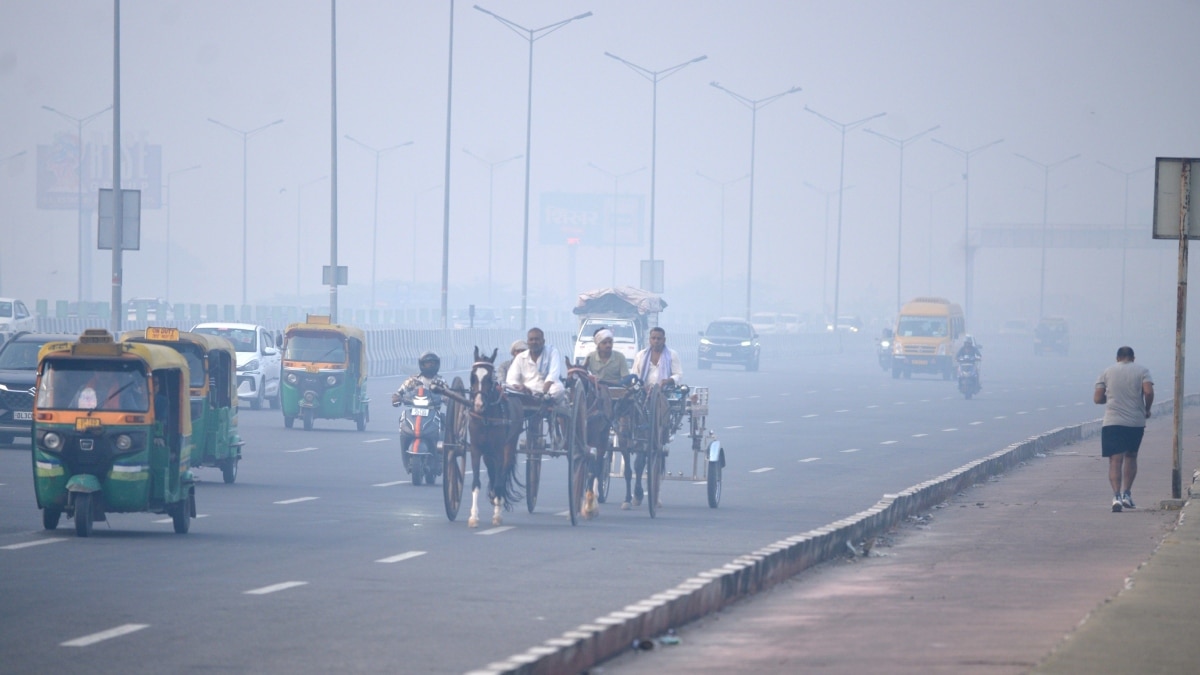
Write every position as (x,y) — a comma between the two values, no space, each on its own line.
(214,347)
(356,337)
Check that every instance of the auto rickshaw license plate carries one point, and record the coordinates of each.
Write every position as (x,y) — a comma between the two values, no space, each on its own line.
(82,423)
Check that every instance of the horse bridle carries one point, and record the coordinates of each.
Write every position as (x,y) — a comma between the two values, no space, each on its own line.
(487,396)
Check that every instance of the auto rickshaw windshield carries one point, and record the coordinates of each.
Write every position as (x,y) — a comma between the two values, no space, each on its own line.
(87,385)
(195,360)
(316,348)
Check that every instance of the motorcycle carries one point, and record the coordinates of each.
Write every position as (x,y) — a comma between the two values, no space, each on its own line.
(421,436)
(968,376)
(883,349)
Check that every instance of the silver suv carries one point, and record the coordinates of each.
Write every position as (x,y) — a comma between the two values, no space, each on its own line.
(258,361)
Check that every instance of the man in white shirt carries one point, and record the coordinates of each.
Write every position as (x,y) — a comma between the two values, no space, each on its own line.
(658,364)
(538,369)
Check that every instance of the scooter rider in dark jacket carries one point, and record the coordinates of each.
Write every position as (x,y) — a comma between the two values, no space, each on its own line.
(429,363)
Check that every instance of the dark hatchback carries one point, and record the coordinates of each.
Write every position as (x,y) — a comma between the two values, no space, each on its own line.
(18,374)
(729,341)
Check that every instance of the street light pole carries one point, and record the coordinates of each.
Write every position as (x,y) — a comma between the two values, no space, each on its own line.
(929,233)
(375,215)
(721,243)
(417,200)
(491,184)
(753,105)
(245,137)
(170,198)
(837,261)
(966,155)
(826,194)
(1045,207)
(613,213)
(531,35)
(654,76)
(85,244)
(1124,232)
(299,238)
(900,143)
(3,160)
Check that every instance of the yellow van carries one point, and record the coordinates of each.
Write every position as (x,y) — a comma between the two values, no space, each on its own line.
(929,332)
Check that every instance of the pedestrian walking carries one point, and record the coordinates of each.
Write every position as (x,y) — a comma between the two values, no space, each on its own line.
(1126,391)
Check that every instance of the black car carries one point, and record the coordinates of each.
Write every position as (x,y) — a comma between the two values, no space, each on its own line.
(18,374)
(729,341)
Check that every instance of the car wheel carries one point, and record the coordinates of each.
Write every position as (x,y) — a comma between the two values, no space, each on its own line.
(257,402)
(274,400)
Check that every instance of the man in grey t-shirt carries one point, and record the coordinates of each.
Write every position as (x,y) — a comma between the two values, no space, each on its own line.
(1126,391)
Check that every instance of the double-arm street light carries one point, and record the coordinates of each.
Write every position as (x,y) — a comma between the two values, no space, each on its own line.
(245,137)
(531,35)
(900,143)
(85,241)
(753,105)
(654,76)
(375,216)
(5,159)
(966,155)
(721,242)
(1124,231)
(612,217)
(170,198)
(491,183)
(1045,205)
(843,127)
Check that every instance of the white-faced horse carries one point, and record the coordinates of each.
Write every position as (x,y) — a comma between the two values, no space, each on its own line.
(495,425)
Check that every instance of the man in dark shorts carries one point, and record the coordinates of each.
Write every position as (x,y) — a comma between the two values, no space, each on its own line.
(1126,391)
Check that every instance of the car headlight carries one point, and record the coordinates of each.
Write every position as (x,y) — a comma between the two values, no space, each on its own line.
(291,378)
(828,327)
(124,442)
(52,441)
(331,380)
(252,364)
(885,344)
(705,341)
(745,343)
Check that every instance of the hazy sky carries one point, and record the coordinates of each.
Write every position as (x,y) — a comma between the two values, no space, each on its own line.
(1110,80)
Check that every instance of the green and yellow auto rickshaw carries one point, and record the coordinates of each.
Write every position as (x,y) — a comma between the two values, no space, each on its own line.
(112,432)
(212,364)
(324,373)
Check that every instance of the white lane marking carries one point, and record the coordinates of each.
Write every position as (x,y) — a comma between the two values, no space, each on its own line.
(376,440)
(27,544)
(297,500)
(808,459)
(395,482)
(1000,417)
(854,449)
(736,426)
(1022,412)
(811,391)
(301,450)
(976,423)
(563,513)
(889,442)
(775,422)
(809,415)
(1040,409)
(753,396)
(1079,403)
(103,635)
(763,470)
(899,403)
(920,435)
(784,394)
(496,530)
(925,400)
(1060,405)
(403,556)
(950,429)
(872,406)
(273,588)
(841,411)
(171,520)
(735,398)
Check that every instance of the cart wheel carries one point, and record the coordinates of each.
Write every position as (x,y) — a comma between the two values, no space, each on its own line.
(50,517)
(605,476)
(452,483)
(714,484)
(533,476)
(288,421)
(577,460)
(307,416)
(83,514)
(229,470)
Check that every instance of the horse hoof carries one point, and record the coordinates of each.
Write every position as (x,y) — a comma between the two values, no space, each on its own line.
(637,501)
(472,522)
(496,522)
(624,506)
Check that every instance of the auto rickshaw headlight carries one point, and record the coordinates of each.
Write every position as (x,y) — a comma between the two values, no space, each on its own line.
(124,442)
(291,378)
(331,380)
(52,441)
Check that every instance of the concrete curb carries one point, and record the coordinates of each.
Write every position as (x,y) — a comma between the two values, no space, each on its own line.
(578,650)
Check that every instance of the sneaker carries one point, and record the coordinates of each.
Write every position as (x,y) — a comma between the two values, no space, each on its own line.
(1127,501)
(1116,507)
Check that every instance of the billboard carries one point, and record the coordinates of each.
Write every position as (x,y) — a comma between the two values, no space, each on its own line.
(604,220)
(67,170)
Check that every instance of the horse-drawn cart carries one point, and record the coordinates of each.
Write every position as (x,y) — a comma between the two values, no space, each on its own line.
(708,457)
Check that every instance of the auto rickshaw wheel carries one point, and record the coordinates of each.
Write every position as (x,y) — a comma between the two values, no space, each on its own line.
(360,421)
(180,517)
(288,421)
(83,514)
(229,469)
(50,517)
(307,418)
(274,401)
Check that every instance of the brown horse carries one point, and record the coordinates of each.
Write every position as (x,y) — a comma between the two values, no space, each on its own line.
(592,428)
(633,416)
(495,425)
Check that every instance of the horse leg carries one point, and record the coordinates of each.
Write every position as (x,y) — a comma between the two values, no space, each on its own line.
(473,521)
(590,509)
(628,481)
(496,503)
(639,470)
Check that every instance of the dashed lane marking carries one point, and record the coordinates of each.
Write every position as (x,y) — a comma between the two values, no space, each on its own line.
(976,423)
(808,459)
(275,588)
(735,398)
(403,556)
(951,429)
(899,403)
(1000,417)
(301,450)
(376,440)
(1022,412)
(763,469)
(27,544)
(809,415)
(856,449)
(171,520)
(889,442)
(736,426)
(391,483)
(753,396)
(496,530)
(872,406)
(841,411)
(920,435)
(297,500)
(103,635)
(775,422)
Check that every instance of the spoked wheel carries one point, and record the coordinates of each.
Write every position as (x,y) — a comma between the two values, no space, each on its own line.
(577,457)
(83,514)
(605,476)
(533,477)
(307,416)
(714,483)
(454,458)
(656,461)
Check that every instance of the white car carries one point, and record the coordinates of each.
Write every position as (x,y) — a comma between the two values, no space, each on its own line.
(625,338)
(14,317)
(258,361)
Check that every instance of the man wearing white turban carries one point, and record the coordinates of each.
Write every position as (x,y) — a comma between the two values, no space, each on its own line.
(607,365)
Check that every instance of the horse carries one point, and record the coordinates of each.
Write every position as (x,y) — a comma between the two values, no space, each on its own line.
(495,425)
(592,430)
(632,414)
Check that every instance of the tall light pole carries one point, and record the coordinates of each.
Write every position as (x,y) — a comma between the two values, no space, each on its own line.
(826,194)
(967,271)
(612,218)
(1124,231)
(721,242)
(299,220)
(491,184)
(245,137)
(843,127)
(85,239)
(375,214)
(929,233)
(1045,208)
(900,143)
(170,198)
(531,35)
(654,76)
(5,159)
(416,201)
(753,105)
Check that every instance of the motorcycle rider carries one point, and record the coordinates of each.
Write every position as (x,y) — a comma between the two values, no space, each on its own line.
(429,363)
(970,350)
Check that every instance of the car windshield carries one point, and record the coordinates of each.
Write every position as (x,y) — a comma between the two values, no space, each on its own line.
(243,339)
(921,326)
(76,385)
(19,355)
(6,310)
(316,348)
(622,332)
(728,329)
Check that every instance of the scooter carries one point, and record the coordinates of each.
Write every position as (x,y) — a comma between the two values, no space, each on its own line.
(968,376)
(421,436)
(884,352)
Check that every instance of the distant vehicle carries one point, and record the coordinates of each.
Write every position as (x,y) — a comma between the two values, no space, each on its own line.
(625,337)
(14,316)
(928,333)
(846,322)
(1051,337)
(629,312)
(765,323)
(258,361)
(484,317)
(18,374)
(731,341)
(148,309)
(790,324)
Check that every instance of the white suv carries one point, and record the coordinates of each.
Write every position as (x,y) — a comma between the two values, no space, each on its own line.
(14,316)
(258,361)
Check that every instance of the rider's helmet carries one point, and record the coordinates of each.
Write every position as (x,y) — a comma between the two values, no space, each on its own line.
(429,363)
(969,341)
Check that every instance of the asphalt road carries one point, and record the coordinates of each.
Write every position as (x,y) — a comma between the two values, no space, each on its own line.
(322,557)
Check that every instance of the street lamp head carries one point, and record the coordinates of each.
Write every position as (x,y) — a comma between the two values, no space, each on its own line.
(580,16)
(698,59)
